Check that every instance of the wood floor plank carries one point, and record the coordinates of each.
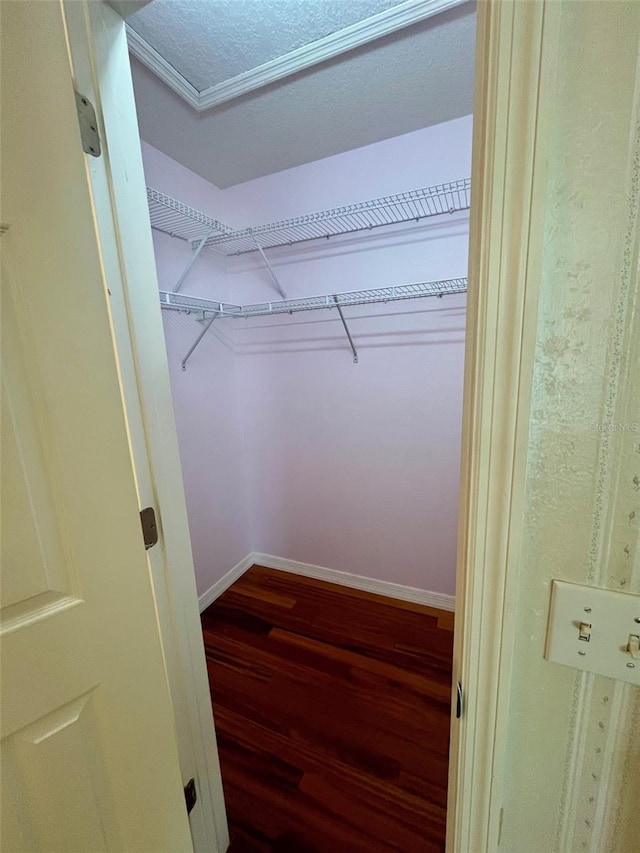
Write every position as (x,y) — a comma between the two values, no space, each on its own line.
(332,713)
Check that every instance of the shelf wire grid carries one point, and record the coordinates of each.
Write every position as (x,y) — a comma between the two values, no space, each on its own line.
(178,301)
(179,220)
(411,206)
(171,301)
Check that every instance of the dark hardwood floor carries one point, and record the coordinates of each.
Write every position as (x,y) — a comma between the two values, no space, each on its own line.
(332,713)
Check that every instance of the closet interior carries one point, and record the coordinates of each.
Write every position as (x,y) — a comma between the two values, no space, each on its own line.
(270,291)
(314,320)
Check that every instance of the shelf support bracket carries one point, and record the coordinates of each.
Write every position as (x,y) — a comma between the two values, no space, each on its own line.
(346,328)
(279,287)
(192,260)
(197,341)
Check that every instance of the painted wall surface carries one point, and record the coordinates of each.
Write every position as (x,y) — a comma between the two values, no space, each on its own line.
(352,467)
(206,396)
(423,158)
(573,754)
(356,467)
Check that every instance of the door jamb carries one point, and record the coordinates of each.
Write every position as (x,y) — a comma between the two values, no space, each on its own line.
(513,65)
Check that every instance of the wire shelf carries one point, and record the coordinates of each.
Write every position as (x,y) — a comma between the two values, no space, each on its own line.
(414,205)
(172,301)
(177,301)
(357,297)
(180,220)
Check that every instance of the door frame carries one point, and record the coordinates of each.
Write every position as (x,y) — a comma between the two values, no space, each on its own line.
(514,64)
(508,179)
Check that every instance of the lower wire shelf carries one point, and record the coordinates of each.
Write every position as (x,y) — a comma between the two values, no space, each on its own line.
(212,308)
(183,302)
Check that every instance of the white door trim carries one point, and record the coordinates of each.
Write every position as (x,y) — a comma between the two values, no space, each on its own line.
(123,223)
(508,179)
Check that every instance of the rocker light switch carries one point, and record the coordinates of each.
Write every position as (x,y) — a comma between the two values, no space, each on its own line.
(594,629)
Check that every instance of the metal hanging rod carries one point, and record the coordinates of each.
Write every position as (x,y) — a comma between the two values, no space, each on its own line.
(413,205)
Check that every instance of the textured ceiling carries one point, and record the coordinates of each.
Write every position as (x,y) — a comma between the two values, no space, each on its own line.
(414,78)
(209,41)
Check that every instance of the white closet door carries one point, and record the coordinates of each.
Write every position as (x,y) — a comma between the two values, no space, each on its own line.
(89,760)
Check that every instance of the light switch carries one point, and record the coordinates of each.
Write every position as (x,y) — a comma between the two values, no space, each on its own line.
(584,632)
(595,629)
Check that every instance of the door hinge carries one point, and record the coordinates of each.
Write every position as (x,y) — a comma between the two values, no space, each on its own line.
(88,126)
(149,527)
(190,795)
(459,701)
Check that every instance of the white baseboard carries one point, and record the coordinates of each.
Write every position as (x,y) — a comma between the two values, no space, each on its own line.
(225,582)
(439,600)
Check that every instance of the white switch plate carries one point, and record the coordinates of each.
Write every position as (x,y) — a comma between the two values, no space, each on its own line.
(612,616)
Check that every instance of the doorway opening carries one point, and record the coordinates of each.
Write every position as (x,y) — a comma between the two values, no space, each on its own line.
(311,248)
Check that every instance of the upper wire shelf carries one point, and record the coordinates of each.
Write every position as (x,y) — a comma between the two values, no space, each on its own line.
(414,205)
(180,220)
(181,302)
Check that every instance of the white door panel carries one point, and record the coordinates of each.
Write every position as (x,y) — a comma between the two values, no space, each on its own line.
(30,531)
(89,759)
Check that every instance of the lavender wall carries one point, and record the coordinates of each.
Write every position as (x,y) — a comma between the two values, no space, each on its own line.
(352,467)
(356,467)
(206,396)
